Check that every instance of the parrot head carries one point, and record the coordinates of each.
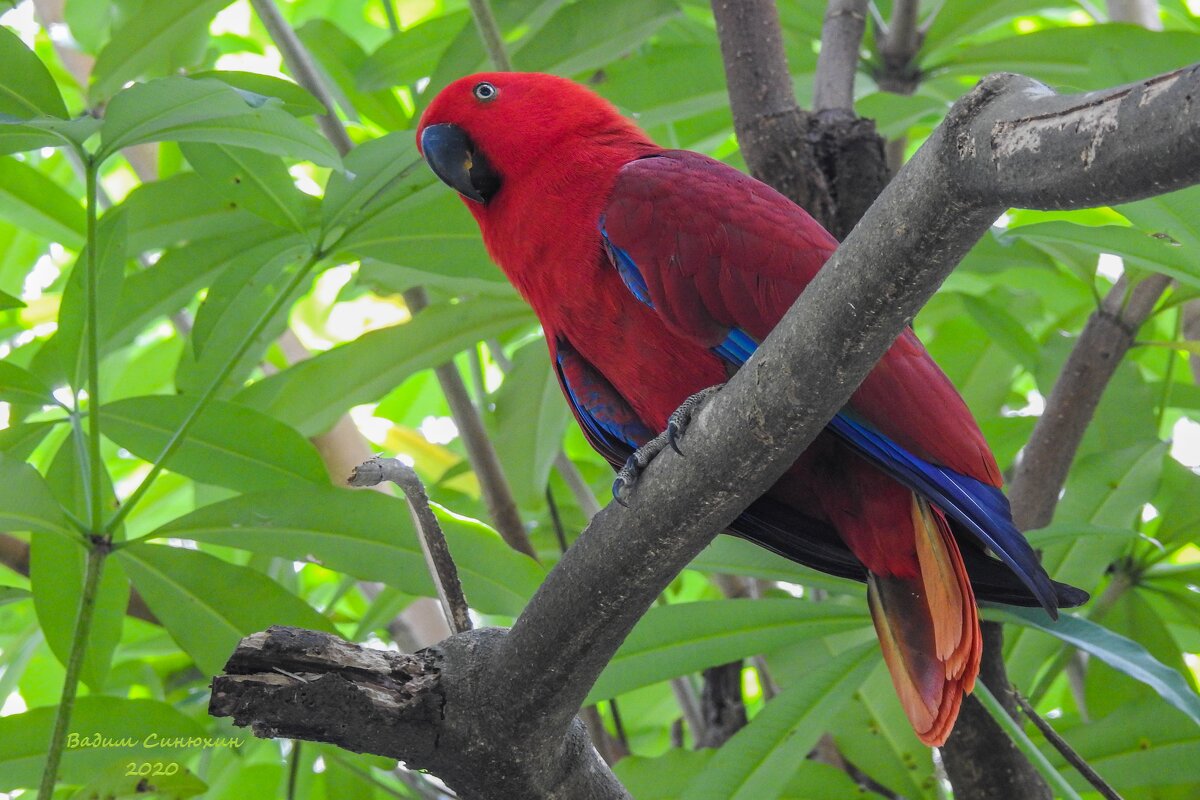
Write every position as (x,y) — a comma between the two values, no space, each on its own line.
(486,131)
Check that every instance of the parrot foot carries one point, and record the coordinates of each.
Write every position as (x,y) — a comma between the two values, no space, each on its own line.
(677,423)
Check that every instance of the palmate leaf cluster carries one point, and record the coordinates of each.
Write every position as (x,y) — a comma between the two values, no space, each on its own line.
(229,219)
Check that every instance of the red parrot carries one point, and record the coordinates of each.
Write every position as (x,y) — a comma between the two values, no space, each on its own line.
(655,273)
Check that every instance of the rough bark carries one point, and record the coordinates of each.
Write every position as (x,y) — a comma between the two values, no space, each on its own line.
(831,163)
(506,701)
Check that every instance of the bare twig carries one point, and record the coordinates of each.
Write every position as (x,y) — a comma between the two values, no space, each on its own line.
(1066,751)
(837,63)
(429,532)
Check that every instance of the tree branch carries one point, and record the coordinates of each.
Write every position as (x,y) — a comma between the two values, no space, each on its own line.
(1041,470)
(898,45)
(433,542)
(506,701)
(837,63)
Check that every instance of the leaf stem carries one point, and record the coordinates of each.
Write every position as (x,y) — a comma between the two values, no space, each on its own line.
(210,391)
(489,32)
(95,466)
(1023,742)
(390,10)
(97,552)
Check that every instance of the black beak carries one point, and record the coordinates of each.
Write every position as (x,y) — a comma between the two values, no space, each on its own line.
(453,158)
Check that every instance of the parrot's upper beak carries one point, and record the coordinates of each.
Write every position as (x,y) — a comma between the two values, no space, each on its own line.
(453,158)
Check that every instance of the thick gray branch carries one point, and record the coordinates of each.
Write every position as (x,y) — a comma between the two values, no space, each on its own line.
(508,700)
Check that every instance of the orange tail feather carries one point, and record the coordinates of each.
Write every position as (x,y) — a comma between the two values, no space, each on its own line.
(928,627)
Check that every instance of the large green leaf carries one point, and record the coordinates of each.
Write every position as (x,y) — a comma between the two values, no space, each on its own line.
(18,385)
(186,110)
(26,87)
(734,556)
(296,100)
(380,175)
(685,637)
(182,209)
(34,202)
(530,416)
(312,394)
(591,33)
(1139,745)
(25,738)
(56,572)
(411,54)
(148,38)
(367,535)
(758,761)
(229,445)
(667,777)
(208,604)
(170,284)
(1113,649)
(1138,249)
(257,182)
(26,502)
(235,303)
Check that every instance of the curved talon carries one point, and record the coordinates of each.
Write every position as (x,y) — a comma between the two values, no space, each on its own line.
(673,431)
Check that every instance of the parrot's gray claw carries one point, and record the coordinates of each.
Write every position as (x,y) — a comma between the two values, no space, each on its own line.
(628,475)
(677,423)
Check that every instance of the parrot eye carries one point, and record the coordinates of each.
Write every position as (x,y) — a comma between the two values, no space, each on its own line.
(485,91)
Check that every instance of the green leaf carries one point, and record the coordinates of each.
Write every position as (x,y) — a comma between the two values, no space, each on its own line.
(21,386)
(26,88)
(148,38)
(150,294)
(296,100)
(208,604)
(7,302)
(24,738)
(32,201)
(686,637)
(1138,249)
(19,441)
(667,776)
(248,179)
(1169,217)
(432,237)
(380,174)
(588,34)
(759,760)
(1004,328)
(72,311)
(182,209)
(229,445)
(529,419)
(26,502)
(1113,649)
(411,54)
(342,57)
(365,534)
(312,394)
(235,302)
(185,110)
(119,782)
(733,556)
(56,572)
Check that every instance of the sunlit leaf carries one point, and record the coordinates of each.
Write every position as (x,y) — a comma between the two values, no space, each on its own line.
(26,87)
(208,604)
